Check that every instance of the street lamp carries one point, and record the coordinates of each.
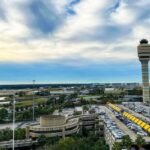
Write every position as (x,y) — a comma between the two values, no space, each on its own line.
(14,99)
(33,99)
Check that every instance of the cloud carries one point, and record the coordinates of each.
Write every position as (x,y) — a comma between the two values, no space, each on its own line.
(123,15)
(72,31)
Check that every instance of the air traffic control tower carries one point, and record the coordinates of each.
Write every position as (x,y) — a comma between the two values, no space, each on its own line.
(144,57)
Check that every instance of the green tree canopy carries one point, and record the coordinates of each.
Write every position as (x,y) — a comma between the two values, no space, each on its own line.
(117,146)
(91,142)
(140,141)
(42,139)
(20,134)
(3,114)
(126,141)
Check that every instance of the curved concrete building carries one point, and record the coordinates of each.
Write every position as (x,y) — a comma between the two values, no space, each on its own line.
(52,120)
(144,57)
(60,126)
(52,126)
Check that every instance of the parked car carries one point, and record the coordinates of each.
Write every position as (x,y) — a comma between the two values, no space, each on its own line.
(142,133)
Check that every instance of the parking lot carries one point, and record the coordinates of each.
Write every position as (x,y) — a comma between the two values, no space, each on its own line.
(111,125)
(119,124)
(126,125)
(138,110)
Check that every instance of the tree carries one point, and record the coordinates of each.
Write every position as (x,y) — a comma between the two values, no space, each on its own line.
(51,101)
(140,141)
(100,145)
(72,96)
(89,142)
(117,146)
(62,98)
(42,139)
(21,93)
(3,114)
(7,134)
(20,134)
(66,144)
(126,141)
(85,108)
(83,101)
(2,148)
(43,93)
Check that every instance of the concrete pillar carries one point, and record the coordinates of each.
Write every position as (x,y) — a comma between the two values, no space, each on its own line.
(27,132)
(145,79)
(63,133)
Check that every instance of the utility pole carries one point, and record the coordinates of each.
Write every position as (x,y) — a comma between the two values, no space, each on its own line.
(33,101)
(14,99)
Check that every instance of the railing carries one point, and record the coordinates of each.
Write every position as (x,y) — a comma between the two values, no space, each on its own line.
(69,125)
(18,143)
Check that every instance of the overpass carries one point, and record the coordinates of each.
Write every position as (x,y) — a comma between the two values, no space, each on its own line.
(18,143)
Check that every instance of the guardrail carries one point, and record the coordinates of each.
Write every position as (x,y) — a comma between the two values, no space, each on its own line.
(18,143)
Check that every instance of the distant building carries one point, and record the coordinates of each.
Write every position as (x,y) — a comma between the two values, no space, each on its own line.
(5,103)
(2,98)
(79,110)
(84,92)
(132,98)
(67,112)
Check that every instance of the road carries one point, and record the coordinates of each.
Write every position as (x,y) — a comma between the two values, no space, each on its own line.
(17,125)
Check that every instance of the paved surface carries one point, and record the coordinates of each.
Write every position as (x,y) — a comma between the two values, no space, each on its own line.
(135,113)
(17,125)
(121,126)
(139,104)
(8,125)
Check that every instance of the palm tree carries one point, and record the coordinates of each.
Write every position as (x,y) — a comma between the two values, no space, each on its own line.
(127,142)
(140,141)
(117,146)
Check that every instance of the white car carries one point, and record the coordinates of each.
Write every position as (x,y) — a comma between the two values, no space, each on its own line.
(142,133)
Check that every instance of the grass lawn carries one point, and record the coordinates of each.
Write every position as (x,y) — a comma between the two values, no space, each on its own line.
(29,102)
(89,96)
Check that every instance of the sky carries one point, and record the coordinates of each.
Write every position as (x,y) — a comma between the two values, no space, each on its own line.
(72,41)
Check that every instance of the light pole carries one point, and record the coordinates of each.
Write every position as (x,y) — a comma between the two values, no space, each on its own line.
(33,99)
(14,99)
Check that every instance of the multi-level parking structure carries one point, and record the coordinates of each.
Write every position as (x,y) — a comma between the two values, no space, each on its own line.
(144,125)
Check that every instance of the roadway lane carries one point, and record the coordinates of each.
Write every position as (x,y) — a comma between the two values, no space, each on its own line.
(17,125)
(8,125)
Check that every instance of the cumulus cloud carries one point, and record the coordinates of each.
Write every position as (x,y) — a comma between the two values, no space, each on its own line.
(123,15)
(76,31)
